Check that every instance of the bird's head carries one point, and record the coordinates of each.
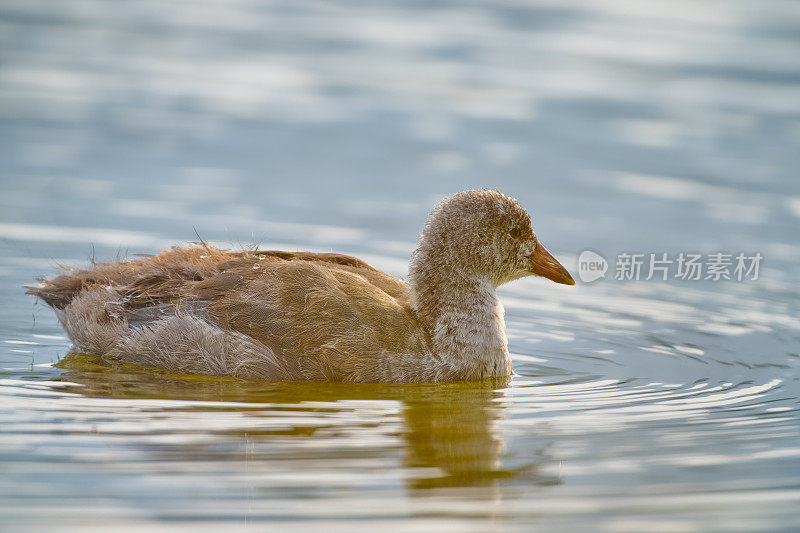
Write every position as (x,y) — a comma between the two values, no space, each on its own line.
(488,235)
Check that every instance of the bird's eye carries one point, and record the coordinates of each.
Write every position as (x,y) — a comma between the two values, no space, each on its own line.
(516,233)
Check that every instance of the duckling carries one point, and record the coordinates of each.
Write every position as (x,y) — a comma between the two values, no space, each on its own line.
(301,316)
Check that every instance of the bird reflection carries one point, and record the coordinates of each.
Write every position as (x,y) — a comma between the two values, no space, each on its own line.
(450,432)
(455,434)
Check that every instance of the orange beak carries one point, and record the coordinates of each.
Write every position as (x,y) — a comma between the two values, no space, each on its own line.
(545,265)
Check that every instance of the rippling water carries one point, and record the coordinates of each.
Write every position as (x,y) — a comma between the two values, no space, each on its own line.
(646,126)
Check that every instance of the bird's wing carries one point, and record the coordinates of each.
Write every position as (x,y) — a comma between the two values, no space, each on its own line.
(328,316)
(335,314)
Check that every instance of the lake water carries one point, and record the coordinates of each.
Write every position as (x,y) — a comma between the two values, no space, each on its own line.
(645,127)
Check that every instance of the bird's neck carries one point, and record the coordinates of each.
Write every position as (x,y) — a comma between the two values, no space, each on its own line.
(463,317)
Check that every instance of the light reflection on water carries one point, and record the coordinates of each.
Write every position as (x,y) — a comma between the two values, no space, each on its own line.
(311,452)
(623,126)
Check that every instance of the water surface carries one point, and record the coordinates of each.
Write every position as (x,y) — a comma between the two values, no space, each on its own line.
(624,127)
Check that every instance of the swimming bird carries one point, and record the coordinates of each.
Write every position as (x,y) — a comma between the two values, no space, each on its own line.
(302,316)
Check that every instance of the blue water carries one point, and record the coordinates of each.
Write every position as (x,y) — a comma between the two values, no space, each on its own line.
(644,127)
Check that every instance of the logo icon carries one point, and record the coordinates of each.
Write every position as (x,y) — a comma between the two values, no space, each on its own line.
(591,266)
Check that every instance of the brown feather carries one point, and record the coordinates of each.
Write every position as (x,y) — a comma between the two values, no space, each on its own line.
(329,314)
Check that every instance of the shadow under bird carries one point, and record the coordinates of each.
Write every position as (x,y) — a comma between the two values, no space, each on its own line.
(301,316)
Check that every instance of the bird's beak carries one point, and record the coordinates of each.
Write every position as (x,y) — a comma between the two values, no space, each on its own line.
(545,265)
